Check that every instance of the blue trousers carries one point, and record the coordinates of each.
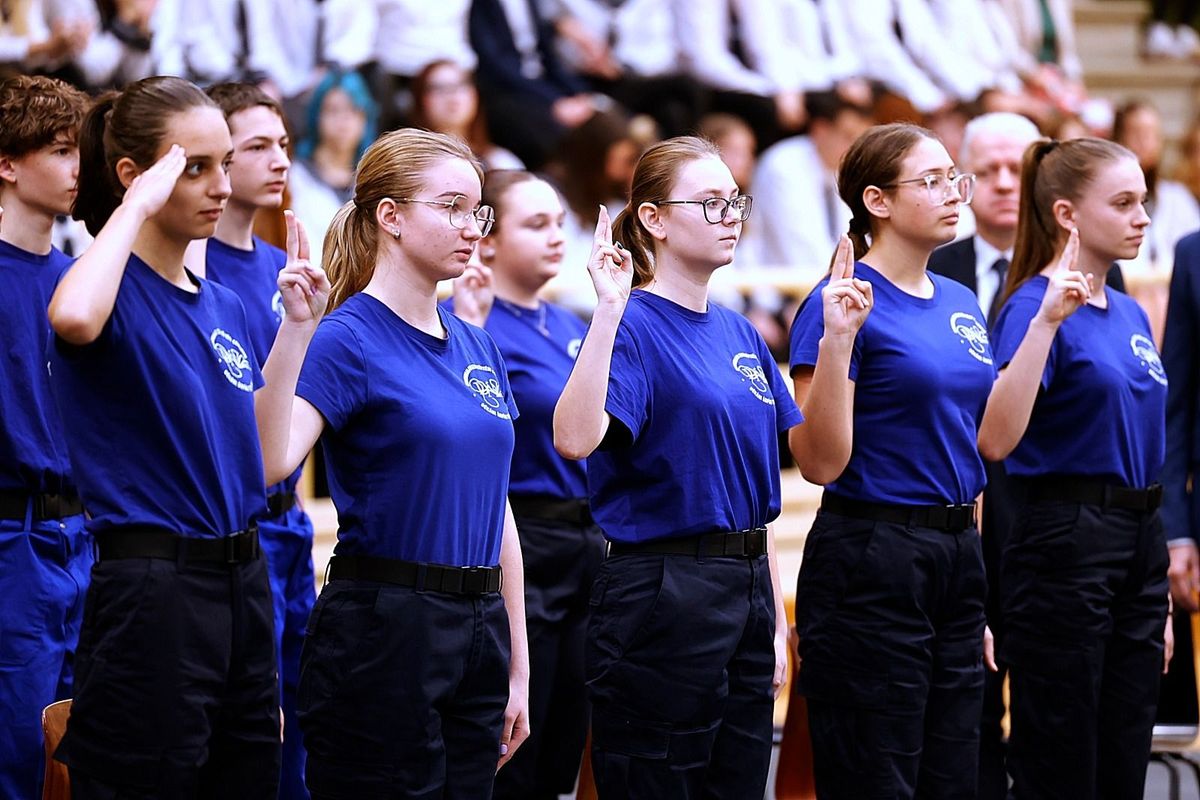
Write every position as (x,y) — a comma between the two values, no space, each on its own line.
(1085,603)
(679,662)
(43,577)
(287,542)
(890,619)
(561,560)
(176,695)
(402,693)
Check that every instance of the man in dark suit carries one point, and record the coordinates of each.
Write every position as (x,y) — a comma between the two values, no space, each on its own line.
(992,148)
(1180,512)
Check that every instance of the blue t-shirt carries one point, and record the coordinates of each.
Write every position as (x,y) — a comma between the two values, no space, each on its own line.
(539,347)
(159,410)
(1101,411)
(33,452)
(704,404)
(418,436)
(252,275)
(922,371)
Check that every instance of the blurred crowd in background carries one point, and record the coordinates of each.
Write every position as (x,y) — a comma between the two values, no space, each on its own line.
(577,89)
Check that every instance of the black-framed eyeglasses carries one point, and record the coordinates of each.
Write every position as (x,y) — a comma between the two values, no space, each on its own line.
(941,187)
(459,212)
(716,208)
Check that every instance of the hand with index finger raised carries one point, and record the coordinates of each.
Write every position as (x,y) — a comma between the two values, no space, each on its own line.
(846,301)
(610,265)
(303,288)
(1067,288)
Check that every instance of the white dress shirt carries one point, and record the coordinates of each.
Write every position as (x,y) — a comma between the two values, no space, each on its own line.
(987,282)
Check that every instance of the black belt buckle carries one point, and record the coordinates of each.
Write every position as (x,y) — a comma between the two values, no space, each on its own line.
(1154,496)
(47,506)
(474,580)
(242,546)
(951,517)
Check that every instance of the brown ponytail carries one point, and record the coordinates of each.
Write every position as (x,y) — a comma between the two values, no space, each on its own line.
(130,125)
(394,166)
(874,159)
(653,179)
(1052,171)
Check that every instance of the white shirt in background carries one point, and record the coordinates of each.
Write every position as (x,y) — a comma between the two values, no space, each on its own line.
(413,33)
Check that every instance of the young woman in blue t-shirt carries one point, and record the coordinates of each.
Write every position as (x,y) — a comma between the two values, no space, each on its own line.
(153,372)
(561,546)
(1078,414)
(892,369)
(413,678)
(677,405)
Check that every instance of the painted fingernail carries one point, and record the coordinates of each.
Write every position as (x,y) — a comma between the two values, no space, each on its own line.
(503,749)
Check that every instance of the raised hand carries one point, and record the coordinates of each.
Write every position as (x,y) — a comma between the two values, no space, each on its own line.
(473,294)
(150,191)
(304,288)
(1069,288)
(610,266)
(846,300)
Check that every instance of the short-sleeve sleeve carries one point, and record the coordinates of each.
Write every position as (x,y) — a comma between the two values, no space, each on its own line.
(807,329)
(787,414)
(334,376)
(502,375)
(1010,329)
(628,389)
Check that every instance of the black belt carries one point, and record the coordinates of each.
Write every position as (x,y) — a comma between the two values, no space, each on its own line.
(420,576)
(157,543)
(1094,492)
(750,543)
(45,506)
(279,503)
(576,511)
(949,518)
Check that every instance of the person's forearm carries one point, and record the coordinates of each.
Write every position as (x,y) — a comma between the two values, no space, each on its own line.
(822,444)
(1010,403)
(580,419)
(273,403)
(513,591)
(781,623)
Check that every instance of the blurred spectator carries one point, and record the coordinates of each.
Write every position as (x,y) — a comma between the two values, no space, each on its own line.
(909,54)
(119,49)
(410,35)
(737,143)
(531,99)
(1189,168)
(737,49)
(1170,31)
(1044,33)
(283,45)
(1173,210)
(29,42)
(629,51)
(816,31)
(798,215)
(445,100)
(594,168)
(341,125)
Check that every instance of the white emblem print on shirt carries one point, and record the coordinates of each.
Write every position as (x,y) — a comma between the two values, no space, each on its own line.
(481,379)
(971,332)
(232,359)
(751,370)
(1147,354)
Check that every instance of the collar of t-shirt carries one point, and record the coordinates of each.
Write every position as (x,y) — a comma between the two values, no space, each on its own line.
(986,281)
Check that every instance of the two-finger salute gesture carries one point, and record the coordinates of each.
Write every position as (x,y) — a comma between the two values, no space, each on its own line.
(1068,288)
(610,266)
(846,300)
(303,287)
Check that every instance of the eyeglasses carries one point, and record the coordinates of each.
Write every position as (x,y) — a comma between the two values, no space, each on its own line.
(941,187)
(716,208)
(459,212)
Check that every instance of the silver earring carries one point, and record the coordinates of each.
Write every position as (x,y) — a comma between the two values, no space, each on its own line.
(396,234)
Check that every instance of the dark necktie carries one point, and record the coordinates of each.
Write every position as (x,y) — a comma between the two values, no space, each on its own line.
(1000,269)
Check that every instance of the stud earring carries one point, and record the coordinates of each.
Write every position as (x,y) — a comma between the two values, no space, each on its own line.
(396,234)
